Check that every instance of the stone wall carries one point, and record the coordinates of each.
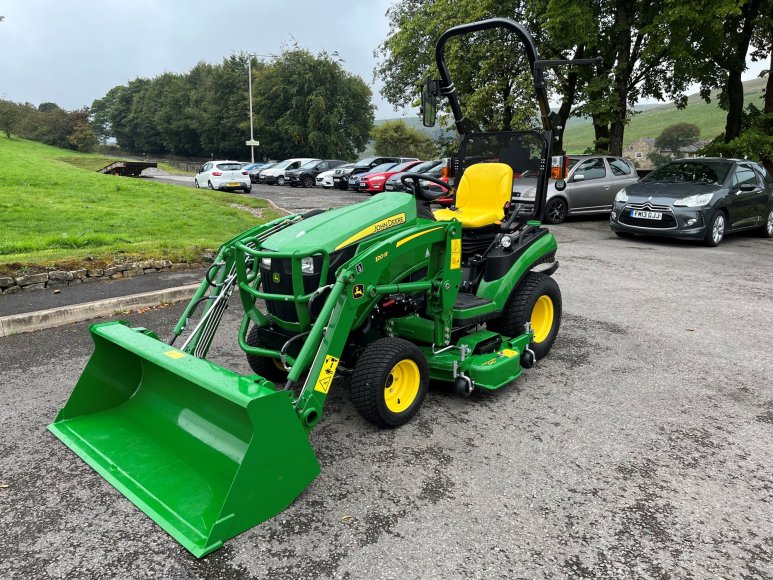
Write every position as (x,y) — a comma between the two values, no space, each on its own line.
(60,278)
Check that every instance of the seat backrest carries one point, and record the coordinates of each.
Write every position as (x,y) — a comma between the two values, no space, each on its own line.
(485,187)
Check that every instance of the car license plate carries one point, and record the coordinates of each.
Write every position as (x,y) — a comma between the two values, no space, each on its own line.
(646,215)
(233,184)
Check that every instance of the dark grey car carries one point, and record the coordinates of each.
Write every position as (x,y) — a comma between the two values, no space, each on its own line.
(700,199)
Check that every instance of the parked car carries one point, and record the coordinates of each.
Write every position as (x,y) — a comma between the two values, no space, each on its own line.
(325,179)
(700,198)
(341,176)
(254,173)
(591,185)
(223,175)
(433,168)
(373,181)
(276,175)
(354,179)
(307,173)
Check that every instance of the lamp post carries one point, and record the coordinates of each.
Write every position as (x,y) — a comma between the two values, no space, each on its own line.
(252,137)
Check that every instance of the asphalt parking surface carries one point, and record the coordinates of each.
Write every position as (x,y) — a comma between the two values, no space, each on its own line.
(640,448)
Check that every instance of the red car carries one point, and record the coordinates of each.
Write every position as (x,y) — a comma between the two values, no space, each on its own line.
(374,182)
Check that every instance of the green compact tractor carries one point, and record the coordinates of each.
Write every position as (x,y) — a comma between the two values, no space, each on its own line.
(383,293)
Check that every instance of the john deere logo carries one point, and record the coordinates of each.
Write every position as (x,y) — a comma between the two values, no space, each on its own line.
(358,291)
(276,277)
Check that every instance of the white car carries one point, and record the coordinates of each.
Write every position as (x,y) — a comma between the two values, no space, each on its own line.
(276,175)
(325,179)
(223,175)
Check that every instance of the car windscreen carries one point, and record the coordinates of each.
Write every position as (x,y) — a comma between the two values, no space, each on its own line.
(268,166)
(382,167)
(310,164)
(572,161)
(284,164)
(403,166)
(365,162)
(425,166)
(230,166)
(690,172)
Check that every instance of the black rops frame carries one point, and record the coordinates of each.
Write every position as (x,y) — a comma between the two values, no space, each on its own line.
(549,119)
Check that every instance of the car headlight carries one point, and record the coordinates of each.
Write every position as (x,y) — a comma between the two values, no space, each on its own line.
(621,196)
(307,265)
(694,200)
(377,178)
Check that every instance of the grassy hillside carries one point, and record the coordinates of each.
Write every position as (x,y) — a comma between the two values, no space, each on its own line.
(54,211)
(650,122)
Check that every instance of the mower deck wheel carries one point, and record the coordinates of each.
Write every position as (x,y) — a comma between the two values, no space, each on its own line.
(389,382)
(537,300)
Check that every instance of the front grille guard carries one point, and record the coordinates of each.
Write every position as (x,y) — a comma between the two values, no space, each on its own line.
(247,260)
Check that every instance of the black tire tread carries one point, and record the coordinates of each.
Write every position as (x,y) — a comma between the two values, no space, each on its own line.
(262,365)
(518,311)
(368,378)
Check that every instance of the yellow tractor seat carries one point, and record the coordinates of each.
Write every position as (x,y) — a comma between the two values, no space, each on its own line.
(483,191)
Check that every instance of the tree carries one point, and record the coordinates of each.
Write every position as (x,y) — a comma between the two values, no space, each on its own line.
(9,115)
(308,106)
(676,136)
(395,138)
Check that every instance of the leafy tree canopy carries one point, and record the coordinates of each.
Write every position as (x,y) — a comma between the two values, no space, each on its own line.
(396,138)
(676,136)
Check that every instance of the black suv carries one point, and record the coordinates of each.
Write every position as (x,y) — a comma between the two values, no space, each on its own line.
(305,174)
(341,176)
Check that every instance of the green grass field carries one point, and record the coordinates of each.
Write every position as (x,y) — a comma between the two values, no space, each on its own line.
(578,135)
(54,209)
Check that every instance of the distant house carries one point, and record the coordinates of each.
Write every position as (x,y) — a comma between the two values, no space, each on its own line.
(688,150)
(639,151)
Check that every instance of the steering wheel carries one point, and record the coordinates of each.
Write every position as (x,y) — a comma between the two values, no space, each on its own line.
(418,190)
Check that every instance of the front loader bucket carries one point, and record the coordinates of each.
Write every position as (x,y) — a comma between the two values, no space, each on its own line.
(205,452)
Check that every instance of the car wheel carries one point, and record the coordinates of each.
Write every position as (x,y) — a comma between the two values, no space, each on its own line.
(307,181)
(248,189)
(280,180)
(715,233)
(624,234)
(555,211)
(343,186)
(209,185)
(767,230)
(196,183)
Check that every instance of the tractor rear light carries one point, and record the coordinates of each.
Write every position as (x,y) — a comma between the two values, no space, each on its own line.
(217,173)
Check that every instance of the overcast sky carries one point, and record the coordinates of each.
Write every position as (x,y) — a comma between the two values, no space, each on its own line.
(74,51)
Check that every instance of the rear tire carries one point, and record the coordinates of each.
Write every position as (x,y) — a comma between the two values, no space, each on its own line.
(266,367)
(389,382)
(343,186)
(536,300)
(248,189)
(556,210)
(196,183)
(307,181)
(715,233)
(209,185)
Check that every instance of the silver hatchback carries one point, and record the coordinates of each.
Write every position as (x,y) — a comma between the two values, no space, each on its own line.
(591,185)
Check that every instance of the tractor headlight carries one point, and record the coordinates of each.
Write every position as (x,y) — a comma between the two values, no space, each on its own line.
(621,196)
(694,200)
(506,242)
(265,262)
(307,265)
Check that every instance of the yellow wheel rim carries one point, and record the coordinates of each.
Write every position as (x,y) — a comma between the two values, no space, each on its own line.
(542,318)
(278,364)
(402,386)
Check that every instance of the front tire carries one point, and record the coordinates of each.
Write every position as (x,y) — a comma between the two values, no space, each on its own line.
(307,181)
(389,382)
(556,210)
(715,233)
(280,180)
(267,367)
(343,186)
(537,300)
(196,183)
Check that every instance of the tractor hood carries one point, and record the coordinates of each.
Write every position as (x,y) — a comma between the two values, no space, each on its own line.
(342,227)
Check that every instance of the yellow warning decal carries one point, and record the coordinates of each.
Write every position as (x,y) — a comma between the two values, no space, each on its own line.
(175,354)
(456,254)
(326,375)
(390,222)
(509,353)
